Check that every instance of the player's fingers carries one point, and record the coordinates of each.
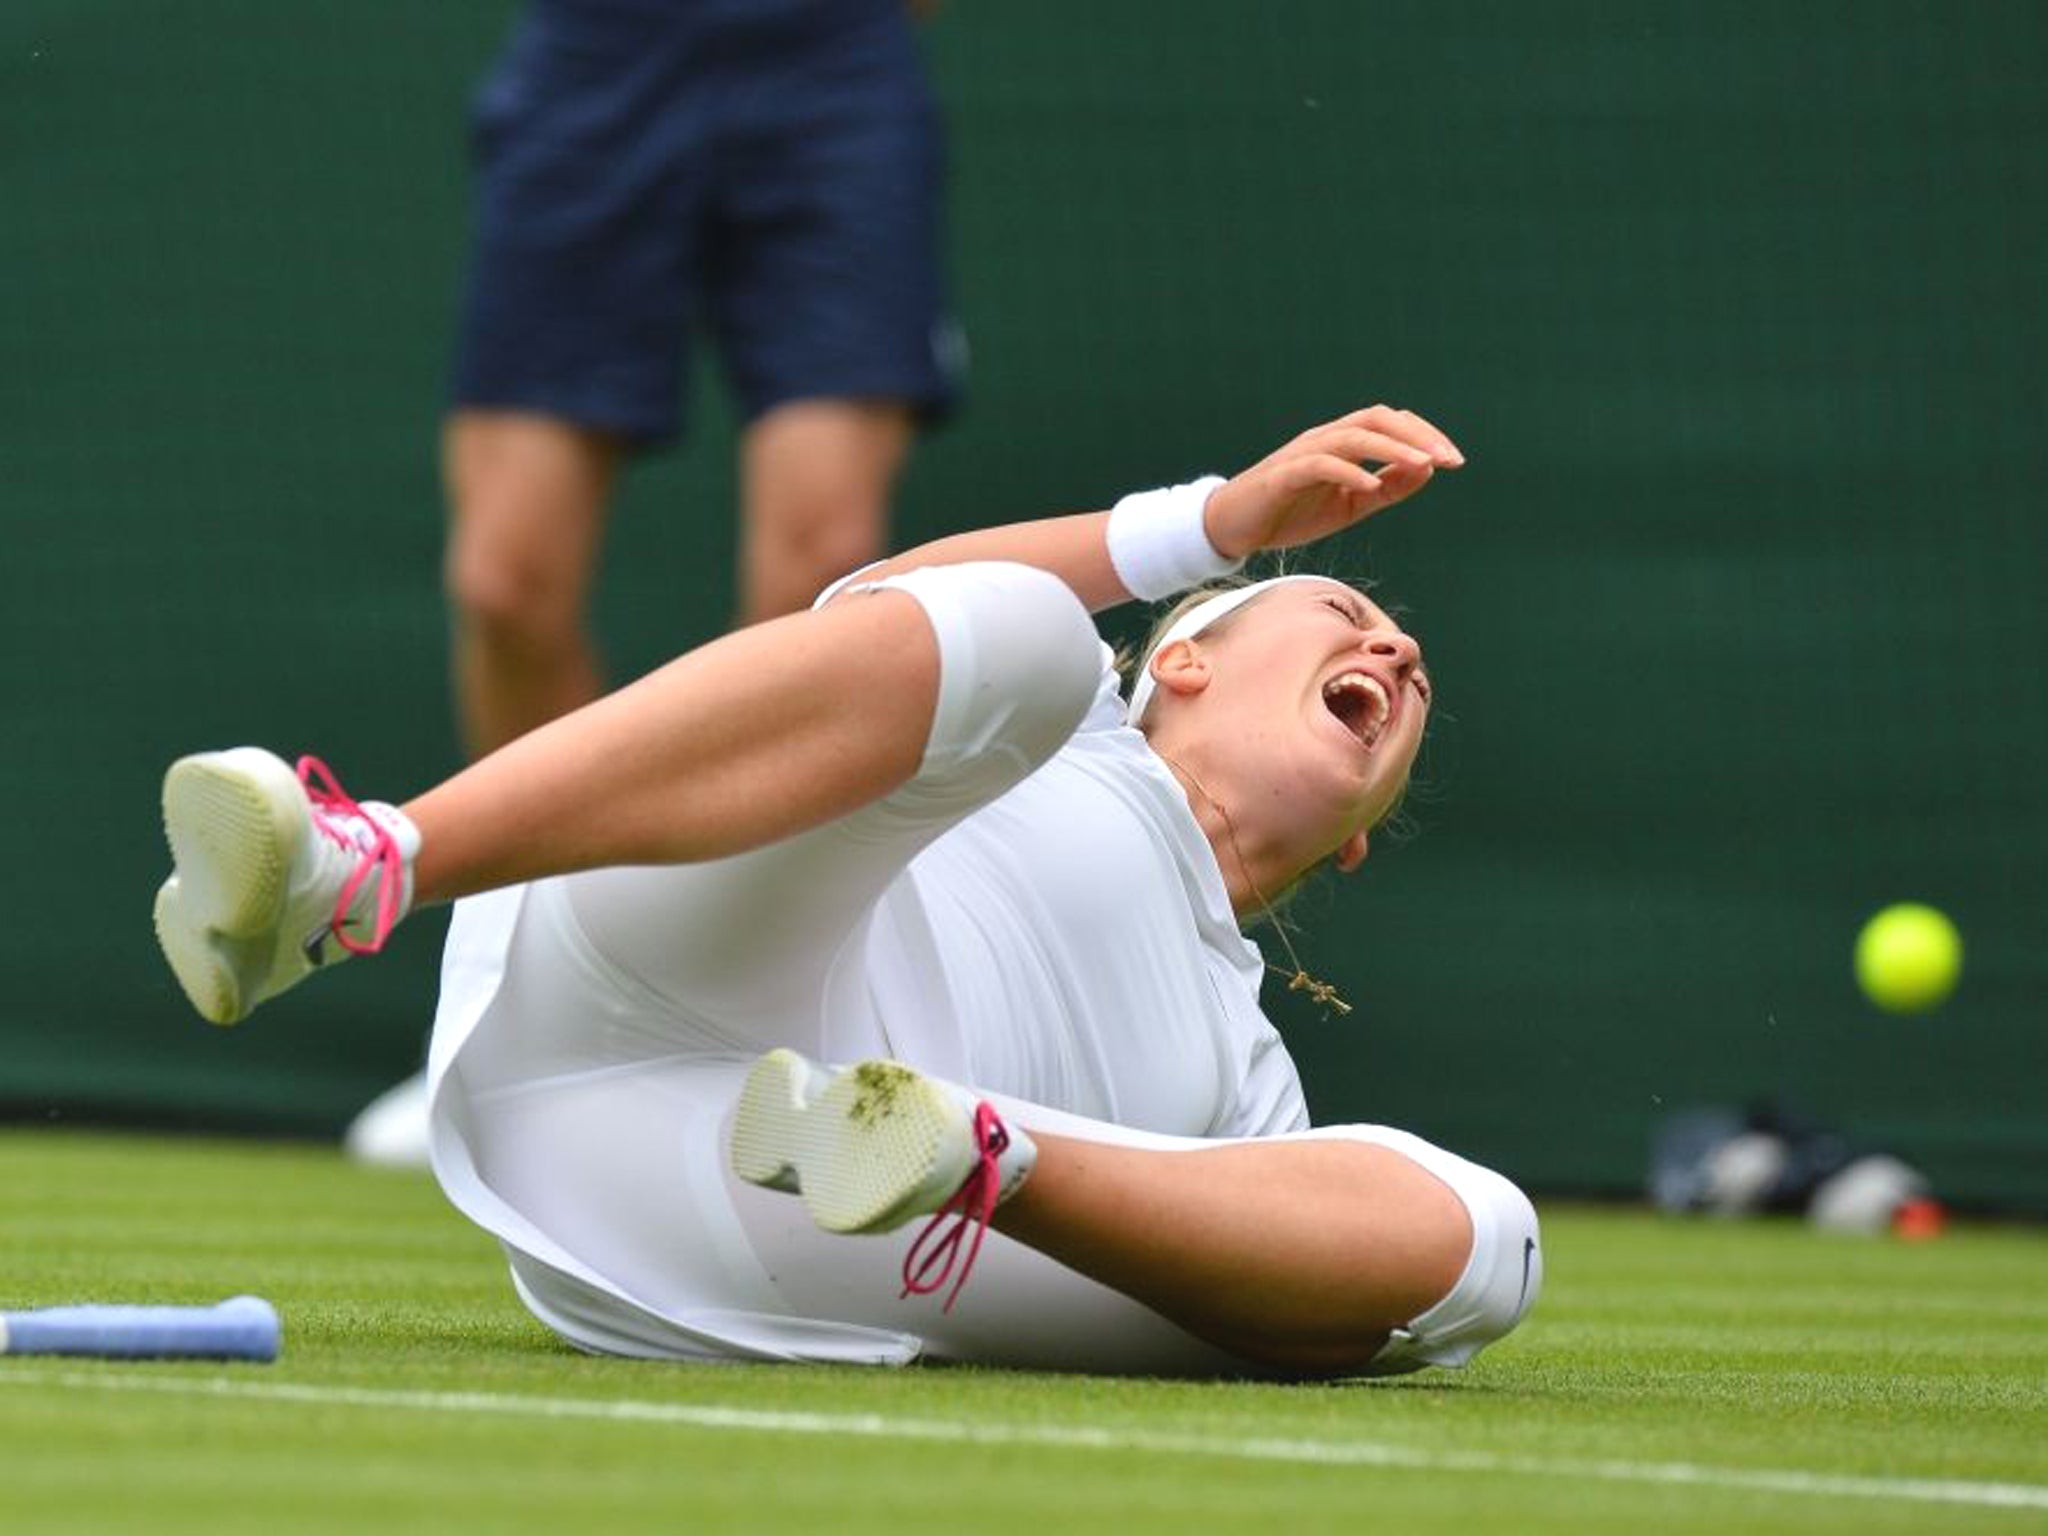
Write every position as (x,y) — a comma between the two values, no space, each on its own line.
(1400,481)
(1434,438)
(1417,431)
(1329,470)
(1364,445)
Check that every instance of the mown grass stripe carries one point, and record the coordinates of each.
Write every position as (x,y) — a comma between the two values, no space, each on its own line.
(1060,1437)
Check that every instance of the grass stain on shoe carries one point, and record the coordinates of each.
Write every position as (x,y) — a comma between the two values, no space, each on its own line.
(878,1084)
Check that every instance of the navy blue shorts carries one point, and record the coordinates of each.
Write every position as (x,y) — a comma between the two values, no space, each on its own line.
(769,170)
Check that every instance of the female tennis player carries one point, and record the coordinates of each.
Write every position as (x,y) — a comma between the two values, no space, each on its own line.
(917,830)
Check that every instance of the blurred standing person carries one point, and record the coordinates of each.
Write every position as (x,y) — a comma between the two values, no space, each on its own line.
(765,174)
(762,172)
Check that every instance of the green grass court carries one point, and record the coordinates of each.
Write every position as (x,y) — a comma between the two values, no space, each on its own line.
(1678,1377)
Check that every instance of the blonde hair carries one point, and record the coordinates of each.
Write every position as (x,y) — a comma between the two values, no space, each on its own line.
(1129,660)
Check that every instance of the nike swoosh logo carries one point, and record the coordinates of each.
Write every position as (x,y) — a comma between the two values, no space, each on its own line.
(1528,1255)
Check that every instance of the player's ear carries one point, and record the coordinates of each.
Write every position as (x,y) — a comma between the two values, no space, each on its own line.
(1182,668)
(1351,852)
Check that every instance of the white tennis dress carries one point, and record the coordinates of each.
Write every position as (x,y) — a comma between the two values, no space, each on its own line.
(1036,913)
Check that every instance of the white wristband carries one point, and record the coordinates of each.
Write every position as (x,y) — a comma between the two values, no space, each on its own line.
(1158,545)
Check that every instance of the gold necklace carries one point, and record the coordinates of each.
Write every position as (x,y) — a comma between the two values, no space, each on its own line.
(1322,992)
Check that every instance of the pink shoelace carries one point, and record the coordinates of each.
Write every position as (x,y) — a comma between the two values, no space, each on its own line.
(935,1255)
(381,855)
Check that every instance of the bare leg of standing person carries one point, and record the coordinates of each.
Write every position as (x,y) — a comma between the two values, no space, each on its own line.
(816,479)
(527,498)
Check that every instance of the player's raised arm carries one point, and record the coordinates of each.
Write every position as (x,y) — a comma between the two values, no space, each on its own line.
(1157,543)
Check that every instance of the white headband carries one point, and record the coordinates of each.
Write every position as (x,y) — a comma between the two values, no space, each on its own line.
(1198,618)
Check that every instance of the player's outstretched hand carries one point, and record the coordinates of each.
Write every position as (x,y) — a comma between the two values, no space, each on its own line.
(1319,484)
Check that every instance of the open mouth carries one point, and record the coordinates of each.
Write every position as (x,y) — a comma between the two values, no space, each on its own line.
(1360,704)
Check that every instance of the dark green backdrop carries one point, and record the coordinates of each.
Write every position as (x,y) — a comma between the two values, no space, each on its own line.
(1737,308)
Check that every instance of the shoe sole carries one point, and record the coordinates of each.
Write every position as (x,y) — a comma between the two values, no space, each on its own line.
(778,1090)
(877,1146)
(231,819)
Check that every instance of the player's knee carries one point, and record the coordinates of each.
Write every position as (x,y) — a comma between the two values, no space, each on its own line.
(1019,659)
(1411,1241)
(1498,1284)
(1470,1259)
(1040,645)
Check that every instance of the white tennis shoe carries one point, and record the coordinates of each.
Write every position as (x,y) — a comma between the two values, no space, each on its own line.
(276,874)
(874,1145)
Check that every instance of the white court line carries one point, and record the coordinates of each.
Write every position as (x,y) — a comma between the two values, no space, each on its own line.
(875,1426)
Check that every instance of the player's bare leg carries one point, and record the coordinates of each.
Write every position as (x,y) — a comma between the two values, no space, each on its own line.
(760,734)
(1300,1255)
(527,497)
(816,478)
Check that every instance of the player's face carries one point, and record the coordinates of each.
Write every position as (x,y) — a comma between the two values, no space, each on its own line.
(1331,699)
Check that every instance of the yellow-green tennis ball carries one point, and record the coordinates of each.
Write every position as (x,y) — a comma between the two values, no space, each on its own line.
(1908,958)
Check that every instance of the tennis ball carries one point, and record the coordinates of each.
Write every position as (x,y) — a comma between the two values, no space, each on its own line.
(1908,958)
